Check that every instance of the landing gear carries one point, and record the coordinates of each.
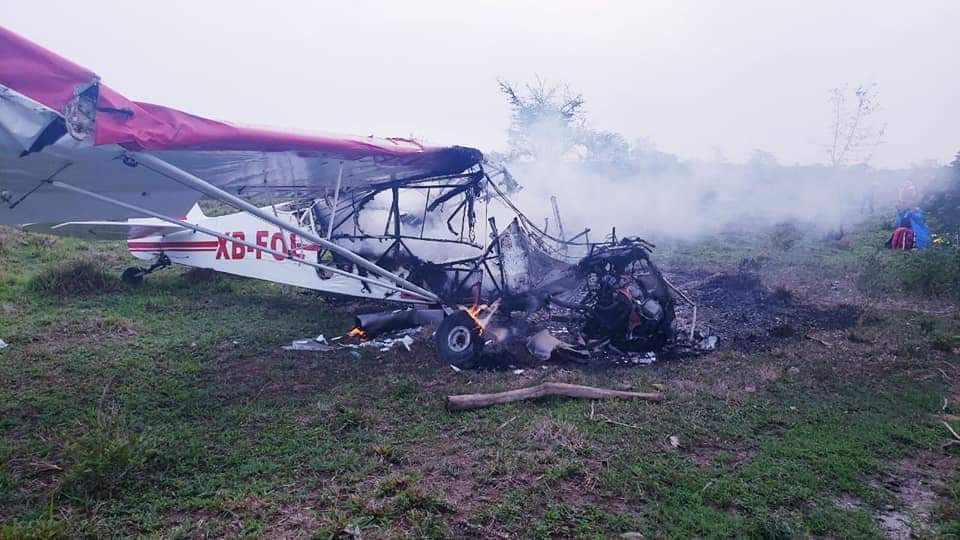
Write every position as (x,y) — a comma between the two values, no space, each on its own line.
(134,275)
(458,340)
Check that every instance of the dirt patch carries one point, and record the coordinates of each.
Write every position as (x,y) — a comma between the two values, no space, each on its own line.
(707,454)
(914,483)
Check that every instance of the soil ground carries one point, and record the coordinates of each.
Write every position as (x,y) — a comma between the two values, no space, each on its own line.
(168,410)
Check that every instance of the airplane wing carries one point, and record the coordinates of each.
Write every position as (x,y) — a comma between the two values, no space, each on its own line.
(103,230)
(60,123)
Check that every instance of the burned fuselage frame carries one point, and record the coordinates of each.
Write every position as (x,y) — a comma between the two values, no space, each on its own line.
(618,292)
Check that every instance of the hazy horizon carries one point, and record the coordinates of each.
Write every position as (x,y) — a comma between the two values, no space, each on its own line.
(701,80)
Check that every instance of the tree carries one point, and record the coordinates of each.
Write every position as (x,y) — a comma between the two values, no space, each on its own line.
(855,130)
(645,155)
(761,159)
(606,146)
(545,119)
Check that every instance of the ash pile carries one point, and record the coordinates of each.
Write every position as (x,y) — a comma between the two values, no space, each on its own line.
(750,317)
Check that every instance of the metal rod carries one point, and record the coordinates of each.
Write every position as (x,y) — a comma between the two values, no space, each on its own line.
(693,323)
(423,220)
(199,228)
(396,212)
(408,237)
(556,216)
(336,200)
(208,189)
(584,233)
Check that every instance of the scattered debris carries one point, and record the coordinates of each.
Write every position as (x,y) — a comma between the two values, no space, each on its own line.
(455,368)
(477,401)
(648,357)
(708,343)
(544,346)
(317,344)
(308,345)
(3,344)
(385,343)
(674,441)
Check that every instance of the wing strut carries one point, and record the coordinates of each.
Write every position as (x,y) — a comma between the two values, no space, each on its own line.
(199,228)
(336,201)
(210,190)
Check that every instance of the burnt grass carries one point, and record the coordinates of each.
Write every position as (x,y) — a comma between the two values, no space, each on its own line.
(168,410)
(746,316)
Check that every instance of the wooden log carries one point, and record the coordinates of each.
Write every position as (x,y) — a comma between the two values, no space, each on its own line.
(477,401)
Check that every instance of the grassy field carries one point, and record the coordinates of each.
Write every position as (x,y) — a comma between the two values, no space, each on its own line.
(168,410)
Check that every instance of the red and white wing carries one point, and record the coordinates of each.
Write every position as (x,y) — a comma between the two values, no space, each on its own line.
(59,122)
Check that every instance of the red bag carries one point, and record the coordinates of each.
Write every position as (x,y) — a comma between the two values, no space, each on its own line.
(902,238)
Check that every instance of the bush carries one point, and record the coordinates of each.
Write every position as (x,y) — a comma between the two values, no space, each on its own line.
(43,529)
(785,235)
(74,278)
(932,272)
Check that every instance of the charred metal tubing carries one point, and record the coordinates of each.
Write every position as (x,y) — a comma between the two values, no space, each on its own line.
(693,323)
(389,321)
(404,183)
(403,237)
(456,211)
(584,233)
(371,193)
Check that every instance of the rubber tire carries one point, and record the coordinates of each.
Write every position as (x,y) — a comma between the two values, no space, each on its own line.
(465,357)
(132,275)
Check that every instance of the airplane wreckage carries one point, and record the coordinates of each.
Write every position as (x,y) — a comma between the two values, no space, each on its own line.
(525,279)
(78,158)
(521,280)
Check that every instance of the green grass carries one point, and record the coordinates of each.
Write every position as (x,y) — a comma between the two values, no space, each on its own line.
(168,410)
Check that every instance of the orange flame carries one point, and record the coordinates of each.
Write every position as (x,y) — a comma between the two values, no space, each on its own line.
(473,311)
(357,332)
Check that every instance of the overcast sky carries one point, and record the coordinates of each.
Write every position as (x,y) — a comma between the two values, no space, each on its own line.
(701,79)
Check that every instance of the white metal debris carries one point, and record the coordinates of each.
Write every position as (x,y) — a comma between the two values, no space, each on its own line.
(322,344)
(708,343)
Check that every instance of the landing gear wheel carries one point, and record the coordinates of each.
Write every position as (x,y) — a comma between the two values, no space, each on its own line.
(458,340)
(132,275)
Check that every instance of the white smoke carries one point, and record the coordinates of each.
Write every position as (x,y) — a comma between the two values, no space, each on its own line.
(689,200)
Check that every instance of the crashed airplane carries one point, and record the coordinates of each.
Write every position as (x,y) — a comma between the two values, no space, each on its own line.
(383,219)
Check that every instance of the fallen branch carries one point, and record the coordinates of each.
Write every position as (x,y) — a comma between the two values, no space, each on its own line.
(477,401)
(818,340)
